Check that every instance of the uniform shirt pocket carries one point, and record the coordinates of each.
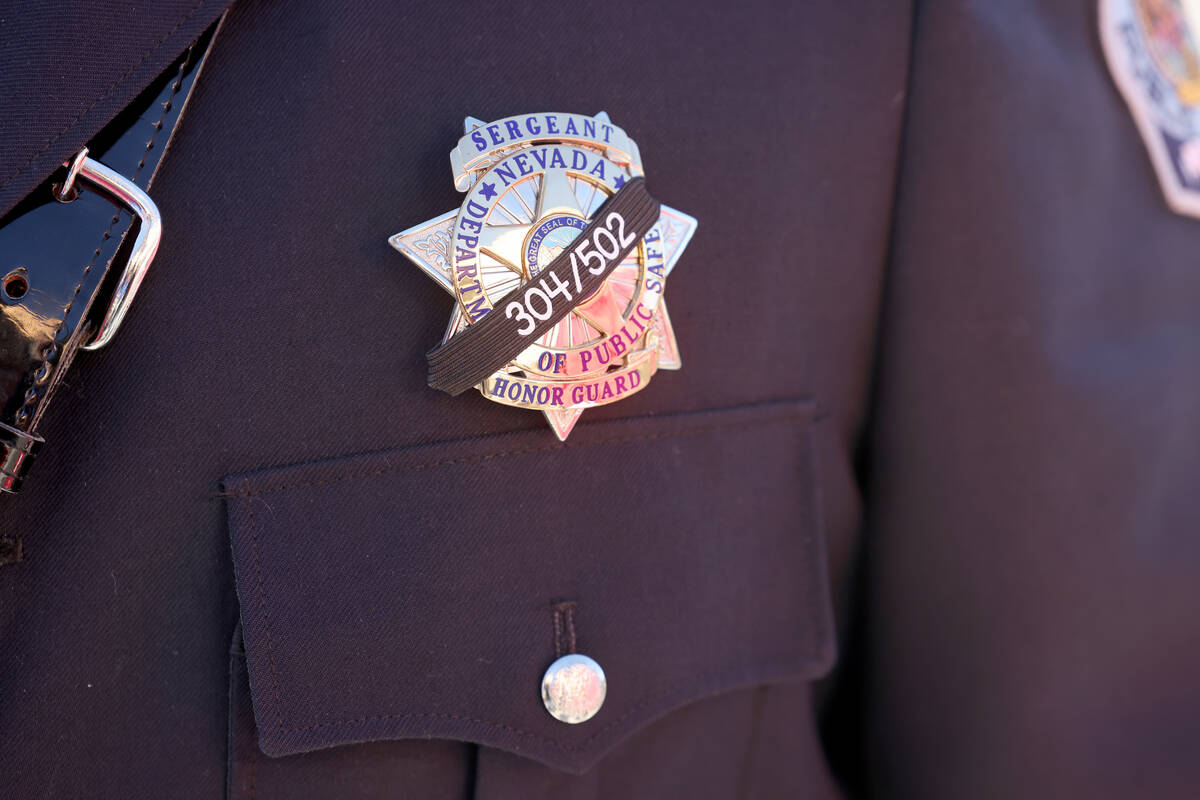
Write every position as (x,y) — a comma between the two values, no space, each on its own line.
(422,592)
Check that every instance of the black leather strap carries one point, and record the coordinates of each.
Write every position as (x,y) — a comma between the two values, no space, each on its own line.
(57,262)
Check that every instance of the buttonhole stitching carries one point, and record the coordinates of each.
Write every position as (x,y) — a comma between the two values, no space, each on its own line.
(564,621)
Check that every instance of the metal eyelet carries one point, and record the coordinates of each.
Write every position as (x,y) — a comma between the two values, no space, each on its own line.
(14,285)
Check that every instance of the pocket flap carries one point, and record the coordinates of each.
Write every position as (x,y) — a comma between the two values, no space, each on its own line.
(411,593)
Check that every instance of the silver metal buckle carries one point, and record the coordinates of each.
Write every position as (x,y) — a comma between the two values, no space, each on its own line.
(126,192)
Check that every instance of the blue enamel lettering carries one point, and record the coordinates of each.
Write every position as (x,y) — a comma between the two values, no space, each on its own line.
(475,308)
(505,171)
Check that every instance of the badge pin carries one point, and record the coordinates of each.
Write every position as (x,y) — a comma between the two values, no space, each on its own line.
(1153,54)
(554,204)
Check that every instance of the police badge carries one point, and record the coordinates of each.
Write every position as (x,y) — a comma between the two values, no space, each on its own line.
(557,234)
(1151,47)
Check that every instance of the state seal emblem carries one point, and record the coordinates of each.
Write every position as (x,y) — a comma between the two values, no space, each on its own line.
(1151,47)
(557,260)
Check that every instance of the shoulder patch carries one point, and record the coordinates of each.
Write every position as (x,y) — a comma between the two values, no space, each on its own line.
(1151,48)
